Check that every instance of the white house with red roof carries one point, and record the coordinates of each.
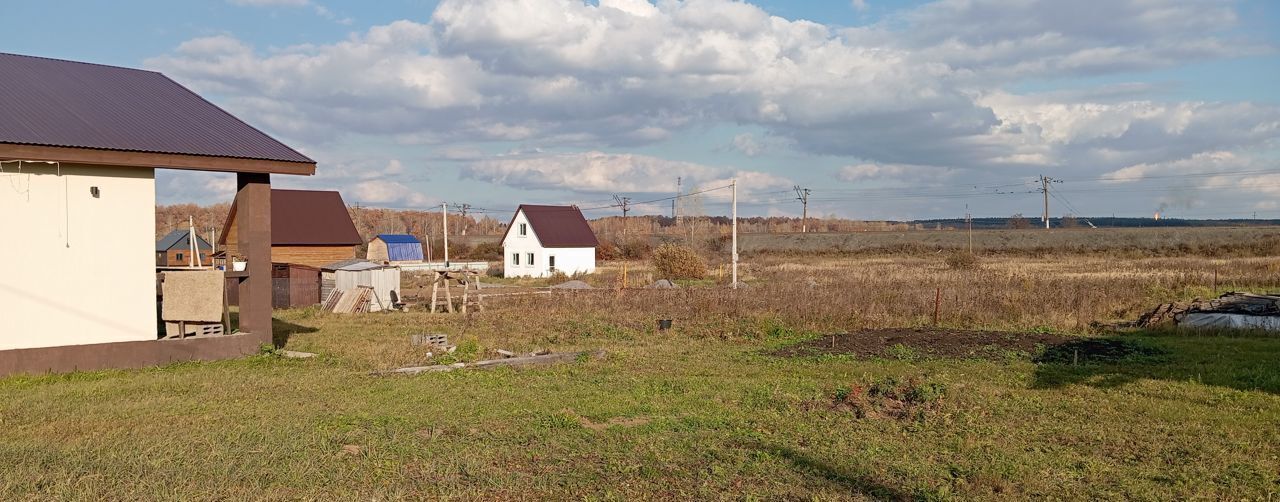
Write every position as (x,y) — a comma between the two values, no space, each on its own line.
(543,240)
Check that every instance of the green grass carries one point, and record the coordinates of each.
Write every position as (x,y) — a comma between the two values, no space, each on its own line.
(663,416)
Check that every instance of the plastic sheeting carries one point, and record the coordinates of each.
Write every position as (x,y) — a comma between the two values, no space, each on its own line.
(397,251)
(1236,321)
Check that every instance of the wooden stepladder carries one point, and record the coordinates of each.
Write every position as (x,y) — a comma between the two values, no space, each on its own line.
(471,296)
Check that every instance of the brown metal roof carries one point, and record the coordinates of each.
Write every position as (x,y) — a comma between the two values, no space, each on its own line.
(558,226)
(306,218)
(52,102)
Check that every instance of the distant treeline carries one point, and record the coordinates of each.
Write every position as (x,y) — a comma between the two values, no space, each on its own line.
(427,225)
(1079,221)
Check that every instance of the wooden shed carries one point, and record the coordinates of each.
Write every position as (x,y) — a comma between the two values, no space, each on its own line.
(294,285)
(395,248)
(310,227)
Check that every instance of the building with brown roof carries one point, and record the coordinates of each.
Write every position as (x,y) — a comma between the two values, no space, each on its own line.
(308,227)
(543,240)
(79,147)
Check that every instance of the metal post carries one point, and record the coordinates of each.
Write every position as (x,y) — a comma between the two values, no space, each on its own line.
(444,215)
(735,233)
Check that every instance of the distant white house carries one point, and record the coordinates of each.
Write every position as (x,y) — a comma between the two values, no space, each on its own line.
(542,240)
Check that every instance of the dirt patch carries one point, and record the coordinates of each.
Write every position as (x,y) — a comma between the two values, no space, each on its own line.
(909,343)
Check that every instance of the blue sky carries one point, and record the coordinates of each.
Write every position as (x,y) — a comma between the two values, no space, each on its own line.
(886,110)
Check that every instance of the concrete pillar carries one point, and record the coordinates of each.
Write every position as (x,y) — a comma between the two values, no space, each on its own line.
(253,222)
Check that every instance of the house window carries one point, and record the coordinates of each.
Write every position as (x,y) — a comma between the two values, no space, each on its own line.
(515,258)
(551,262)
(524,229)
(530,258)
(179,257)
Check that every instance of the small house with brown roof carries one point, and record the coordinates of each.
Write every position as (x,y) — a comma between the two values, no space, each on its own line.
(543,240)
(308,227)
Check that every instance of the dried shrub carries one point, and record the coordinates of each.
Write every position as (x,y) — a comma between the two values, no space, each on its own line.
(962,260)
(674,261)
(636,250)
(890,397)
(488,251)
(608,251)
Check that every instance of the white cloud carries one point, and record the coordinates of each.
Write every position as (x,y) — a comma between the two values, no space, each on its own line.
(598,172)
(860,5)
(387,192)
(924,87)
(920,175)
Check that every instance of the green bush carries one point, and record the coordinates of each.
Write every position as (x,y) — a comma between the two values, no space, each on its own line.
(678,262)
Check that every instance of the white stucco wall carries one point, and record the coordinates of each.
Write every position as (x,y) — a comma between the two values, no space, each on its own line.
(568,260)
(75,269)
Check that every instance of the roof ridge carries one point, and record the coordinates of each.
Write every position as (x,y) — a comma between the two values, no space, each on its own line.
(104,65)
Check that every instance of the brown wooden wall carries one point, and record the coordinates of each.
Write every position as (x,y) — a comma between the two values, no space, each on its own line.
(294,285)
(377,251)
(170,258)
(315,256)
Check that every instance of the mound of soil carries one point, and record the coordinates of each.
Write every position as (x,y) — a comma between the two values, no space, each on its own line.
(924,342)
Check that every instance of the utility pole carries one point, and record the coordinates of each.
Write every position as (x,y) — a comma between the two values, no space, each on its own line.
(463,208)
(1044,188)
(802,195)
(968,219)
(734,227)
(677,202)
(624,203)
(444,216)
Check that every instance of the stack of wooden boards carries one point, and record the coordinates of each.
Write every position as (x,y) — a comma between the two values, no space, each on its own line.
(351,301)
(193,303)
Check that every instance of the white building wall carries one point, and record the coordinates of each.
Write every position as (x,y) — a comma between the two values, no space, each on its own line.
(75,269)
(568,260)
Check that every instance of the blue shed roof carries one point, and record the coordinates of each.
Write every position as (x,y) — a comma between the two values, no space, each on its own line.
(399,239)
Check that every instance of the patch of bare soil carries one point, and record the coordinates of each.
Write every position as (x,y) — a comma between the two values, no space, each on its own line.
(904,343)
(625,422)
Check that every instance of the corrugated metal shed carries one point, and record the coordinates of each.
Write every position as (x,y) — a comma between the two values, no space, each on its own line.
(402,247)
(52,102)
(346,275)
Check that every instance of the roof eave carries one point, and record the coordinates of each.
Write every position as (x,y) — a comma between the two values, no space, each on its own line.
(16,151)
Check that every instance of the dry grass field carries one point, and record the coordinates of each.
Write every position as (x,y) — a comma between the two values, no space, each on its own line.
(1127,242)
(816,381)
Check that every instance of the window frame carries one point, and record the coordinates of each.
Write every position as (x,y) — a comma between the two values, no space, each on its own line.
(515,259)
(530,256)
(523,230)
